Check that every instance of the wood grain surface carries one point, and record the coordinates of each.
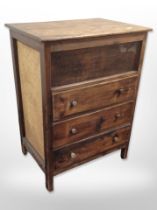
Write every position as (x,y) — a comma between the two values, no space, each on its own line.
(82,151)
(72,29)
(91,63)
(78,128)
(93,97)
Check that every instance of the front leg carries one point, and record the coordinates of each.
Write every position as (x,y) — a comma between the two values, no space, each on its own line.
(124,152)
(49,182)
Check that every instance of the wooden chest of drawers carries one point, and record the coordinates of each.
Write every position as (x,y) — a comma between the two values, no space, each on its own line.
(76,84)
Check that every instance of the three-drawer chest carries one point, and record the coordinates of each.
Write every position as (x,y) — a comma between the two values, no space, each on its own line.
(76,84)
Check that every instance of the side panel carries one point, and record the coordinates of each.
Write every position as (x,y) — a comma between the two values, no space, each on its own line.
(30,79)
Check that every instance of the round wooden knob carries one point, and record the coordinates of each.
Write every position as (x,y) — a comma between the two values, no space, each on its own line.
(73,155)
(73,103)
(73,130)
(121,90)
(115,138)
(117,115)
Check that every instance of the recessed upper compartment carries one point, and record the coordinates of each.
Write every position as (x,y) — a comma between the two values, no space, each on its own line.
(90,63)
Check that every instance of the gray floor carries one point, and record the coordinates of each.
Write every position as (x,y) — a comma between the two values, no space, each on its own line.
(107,183)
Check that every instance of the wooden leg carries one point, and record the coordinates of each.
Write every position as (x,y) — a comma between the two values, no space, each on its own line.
(24,149)
(49,183)
(124,152)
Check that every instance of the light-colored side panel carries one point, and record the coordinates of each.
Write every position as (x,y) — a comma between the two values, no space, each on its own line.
(30,77)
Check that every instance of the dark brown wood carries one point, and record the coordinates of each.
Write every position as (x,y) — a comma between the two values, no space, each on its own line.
(75,129)
(47,114)
(90,76)
(34,154)
(71,155)
(124,151)
(85,64)
(84,84)
(79,43)
(104,94)
(18,92)
(109,150)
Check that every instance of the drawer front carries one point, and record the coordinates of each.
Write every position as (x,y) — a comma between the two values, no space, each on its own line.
(93,97)
(90,63)
(68,157)
(76,129)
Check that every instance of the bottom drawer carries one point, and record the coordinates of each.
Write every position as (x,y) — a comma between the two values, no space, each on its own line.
(73,155)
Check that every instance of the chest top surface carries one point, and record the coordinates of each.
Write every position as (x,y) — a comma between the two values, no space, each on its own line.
(73,29)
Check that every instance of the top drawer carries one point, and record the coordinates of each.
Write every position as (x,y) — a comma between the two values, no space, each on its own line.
(92,97)
(90,63)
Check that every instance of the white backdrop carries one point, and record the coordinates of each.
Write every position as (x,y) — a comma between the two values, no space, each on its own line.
(108,182)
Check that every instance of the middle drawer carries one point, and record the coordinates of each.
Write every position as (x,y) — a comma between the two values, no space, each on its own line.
(84,126)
